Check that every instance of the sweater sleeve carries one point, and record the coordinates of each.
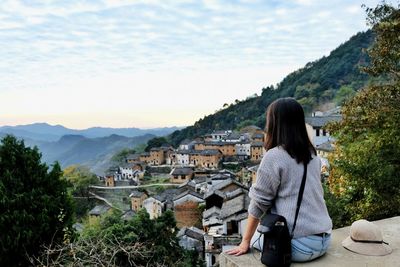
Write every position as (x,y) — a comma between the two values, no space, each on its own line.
(263,192)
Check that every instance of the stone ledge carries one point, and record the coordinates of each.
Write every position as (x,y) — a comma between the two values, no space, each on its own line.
(337,255)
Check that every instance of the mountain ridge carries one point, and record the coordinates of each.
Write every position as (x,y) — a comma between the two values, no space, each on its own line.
(46,132)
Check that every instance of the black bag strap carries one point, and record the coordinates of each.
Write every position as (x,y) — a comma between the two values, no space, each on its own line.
(300,198)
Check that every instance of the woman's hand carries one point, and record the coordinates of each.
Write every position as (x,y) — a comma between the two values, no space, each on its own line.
(243,248)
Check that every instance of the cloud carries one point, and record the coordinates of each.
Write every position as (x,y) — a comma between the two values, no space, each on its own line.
(47,43)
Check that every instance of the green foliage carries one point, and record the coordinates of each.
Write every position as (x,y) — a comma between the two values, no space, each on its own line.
(155,142)
(137,242)
(35,207)
(366,165)
(313,85)
(344,93)
(337,208)
(79,178)
(120,156)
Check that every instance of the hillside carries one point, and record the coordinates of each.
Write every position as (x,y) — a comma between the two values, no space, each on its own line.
(316,84)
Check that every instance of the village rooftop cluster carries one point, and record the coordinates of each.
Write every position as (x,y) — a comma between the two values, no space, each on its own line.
(209,200)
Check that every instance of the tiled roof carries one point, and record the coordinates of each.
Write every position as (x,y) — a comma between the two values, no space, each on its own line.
(236,205)
(167,195)
(99,210)
(182,171)
(188,192)
(192,232)
(327,146)
(254,168)
(233,136)
(219,143)
(137,194)
(257,144)
(128,215)
(208,213)
(183,152)
(185,142)
(132,157)
(258,136)
(210,152)
(320,121)
(214,192)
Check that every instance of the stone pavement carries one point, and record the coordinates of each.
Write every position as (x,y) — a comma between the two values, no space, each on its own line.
(337,255)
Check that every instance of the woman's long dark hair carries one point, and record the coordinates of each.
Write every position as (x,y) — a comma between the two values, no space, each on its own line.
(286,127)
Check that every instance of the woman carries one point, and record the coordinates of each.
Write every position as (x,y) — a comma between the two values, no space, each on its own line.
(278,181)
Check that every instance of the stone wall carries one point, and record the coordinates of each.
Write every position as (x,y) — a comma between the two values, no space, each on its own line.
(187,214)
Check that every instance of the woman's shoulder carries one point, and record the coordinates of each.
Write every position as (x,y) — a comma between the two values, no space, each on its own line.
(276,156)
(276,152)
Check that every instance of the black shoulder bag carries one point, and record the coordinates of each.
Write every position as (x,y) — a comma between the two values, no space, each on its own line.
(277,247)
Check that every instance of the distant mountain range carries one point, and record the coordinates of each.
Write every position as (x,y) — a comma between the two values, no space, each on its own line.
(92,147)
(47,132)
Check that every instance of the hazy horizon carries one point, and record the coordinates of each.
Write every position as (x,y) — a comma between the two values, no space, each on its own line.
(158,63)
(98,126)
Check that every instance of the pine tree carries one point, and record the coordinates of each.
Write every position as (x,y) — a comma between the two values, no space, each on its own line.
(35,209)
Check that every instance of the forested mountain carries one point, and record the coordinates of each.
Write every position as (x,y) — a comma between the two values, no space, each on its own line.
(323,81)
(92,152)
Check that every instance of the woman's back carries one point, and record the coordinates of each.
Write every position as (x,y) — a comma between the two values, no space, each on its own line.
(282,174)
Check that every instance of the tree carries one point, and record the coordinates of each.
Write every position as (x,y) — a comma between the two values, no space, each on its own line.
(366,163)
(155,142)
(35,208)
(344,93)
(116,242)
(80,178)
(121,155)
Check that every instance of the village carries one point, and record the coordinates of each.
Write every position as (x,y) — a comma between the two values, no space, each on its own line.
(205,182)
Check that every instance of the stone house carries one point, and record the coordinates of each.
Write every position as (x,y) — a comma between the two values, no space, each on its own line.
(243,150)
(157,156)
(160,155)
(181,174)
(191,238)
(315,127)
(186,208)
(109,179)
(220,135)
(253,173)
(137,199)
(324,149)
(195,158)
(145,157)
(127,172)
(182,157)
(98,211)
(257,151)
(186,145)
(234,138)
(210,158)
(234,211)
(132,158)
(158,204)
(258,137)
(154,207)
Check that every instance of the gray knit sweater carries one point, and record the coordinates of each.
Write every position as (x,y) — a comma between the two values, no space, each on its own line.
(277,187)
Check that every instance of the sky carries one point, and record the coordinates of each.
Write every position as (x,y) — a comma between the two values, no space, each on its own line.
(156,63)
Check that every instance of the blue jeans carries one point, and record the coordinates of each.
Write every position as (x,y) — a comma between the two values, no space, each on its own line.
(309,247)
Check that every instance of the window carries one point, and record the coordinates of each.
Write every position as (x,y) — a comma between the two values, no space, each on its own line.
(316,132)
(324,132)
